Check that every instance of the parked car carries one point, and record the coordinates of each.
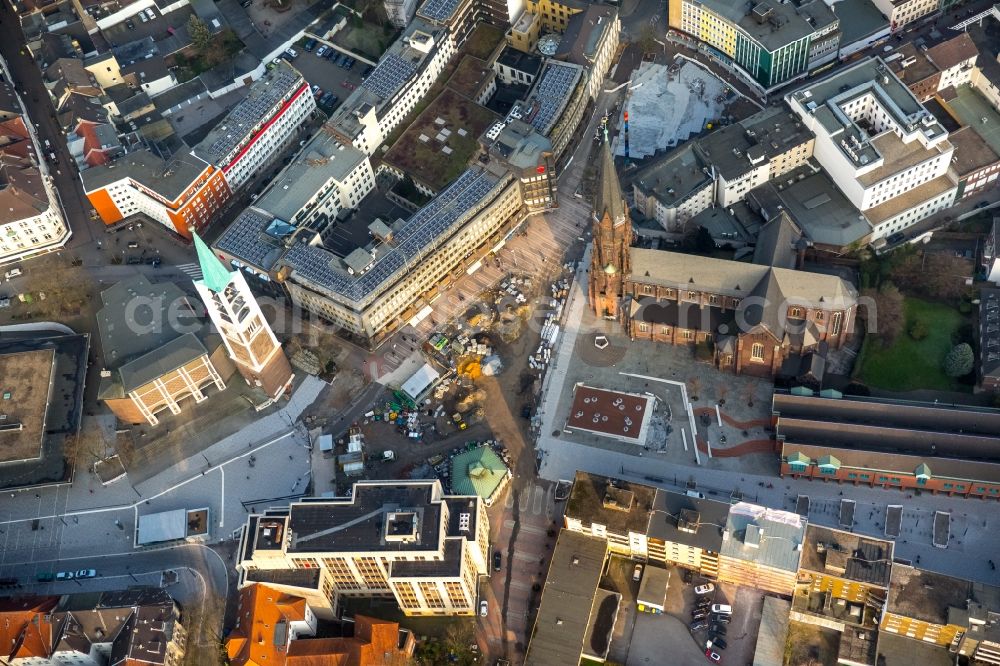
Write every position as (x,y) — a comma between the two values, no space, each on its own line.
(718,643)
(129,24)
(142,17)
(698,625)
(703,603)
(150,13)
(309,45)
(245,3)
(331,54)
(707,588)
(4,302)
(699,614)
(86,573)
(347,84)
(292,53)
(724,609)
(66,575)
(484,608)
(317,91)
(132,245)
(895,238)
(45,577)
(722,619)
(637,573)
(349,63)
(12,273)
(321,50)
(713,656)
(368,70)
(326,99)
(497,560)
(719,629)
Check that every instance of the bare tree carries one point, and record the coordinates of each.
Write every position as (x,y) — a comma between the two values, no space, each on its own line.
(887,319)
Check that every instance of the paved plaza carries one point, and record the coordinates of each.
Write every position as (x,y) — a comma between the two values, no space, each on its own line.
(739,466)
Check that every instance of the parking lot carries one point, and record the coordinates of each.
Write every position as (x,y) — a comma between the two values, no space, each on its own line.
(325,73)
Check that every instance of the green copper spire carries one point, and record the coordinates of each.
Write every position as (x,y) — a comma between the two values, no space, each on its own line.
(214,274)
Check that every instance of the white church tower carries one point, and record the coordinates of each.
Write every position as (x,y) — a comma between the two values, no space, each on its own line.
(237,316)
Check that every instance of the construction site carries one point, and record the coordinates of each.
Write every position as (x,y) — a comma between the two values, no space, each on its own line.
(668,104)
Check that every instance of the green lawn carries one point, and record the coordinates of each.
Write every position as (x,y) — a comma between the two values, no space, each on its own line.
(914,364)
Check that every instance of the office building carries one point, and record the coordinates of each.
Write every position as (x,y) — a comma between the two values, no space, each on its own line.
(591,40)
(187,190)
(259,127)
(528,156)
(248,338)
(886,152)
(402,540)
(882,443)
(904,12)
(770,43)
(556,103)
(403,75)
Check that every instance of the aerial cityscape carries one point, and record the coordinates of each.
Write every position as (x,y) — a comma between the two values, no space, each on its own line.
(500,332)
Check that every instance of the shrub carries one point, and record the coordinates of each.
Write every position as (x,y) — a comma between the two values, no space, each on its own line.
(918,331)
(959,360)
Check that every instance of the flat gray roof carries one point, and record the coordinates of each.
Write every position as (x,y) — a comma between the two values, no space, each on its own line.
(168,178)
(783,24)
(821,210)
(563,617)
(769,537)
(322,158)
(674,178)
(859,19)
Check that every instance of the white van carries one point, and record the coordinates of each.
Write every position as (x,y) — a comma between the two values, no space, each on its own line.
(12,273)
(722,609)
(695,494)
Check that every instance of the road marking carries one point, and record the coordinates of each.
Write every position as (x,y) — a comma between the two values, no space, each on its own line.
(193,271)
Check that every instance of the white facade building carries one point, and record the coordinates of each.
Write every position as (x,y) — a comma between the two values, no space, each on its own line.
(31,221)
(903,12)
(405,540)
(254,131)
(401,79)
(885,151)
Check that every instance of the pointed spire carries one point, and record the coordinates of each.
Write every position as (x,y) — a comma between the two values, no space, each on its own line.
(609,192)
(214,274)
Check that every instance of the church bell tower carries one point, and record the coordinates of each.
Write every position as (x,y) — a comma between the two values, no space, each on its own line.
(609,264)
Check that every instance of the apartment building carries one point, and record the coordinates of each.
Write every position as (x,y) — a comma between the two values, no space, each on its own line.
(771,43)
(722,167)
(958,615)
(591,41)
(927,71)
(294,634)
(674,189)
(404,74)
(886,152)
(904,12)
(188,189)
(889,444)
(155,365)
(517,67)
(843,577)
(32,222)
(647,523)
(255,131)
(403,540)
(140,625)
(761,548)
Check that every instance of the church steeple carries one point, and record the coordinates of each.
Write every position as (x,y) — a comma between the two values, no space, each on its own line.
(214,273)
(610,263)
(609,192)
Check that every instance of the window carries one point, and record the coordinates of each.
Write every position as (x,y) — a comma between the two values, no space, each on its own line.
(835,327)
(757,352)
(692,295)
(795,313)
(921,481)
(852,475)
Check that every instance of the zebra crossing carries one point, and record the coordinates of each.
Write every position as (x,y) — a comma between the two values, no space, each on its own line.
(193,271)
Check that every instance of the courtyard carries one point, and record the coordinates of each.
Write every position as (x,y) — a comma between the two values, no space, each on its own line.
(910,364)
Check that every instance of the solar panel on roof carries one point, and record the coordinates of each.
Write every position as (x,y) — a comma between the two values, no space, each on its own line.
(389,75)
(438,10)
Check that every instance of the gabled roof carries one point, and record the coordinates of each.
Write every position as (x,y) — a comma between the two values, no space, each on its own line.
(258,640)
(24,631)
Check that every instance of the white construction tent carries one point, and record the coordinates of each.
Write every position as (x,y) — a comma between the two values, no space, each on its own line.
(420,382)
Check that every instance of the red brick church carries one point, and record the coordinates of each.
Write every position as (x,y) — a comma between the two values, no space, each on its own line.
(757,318)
